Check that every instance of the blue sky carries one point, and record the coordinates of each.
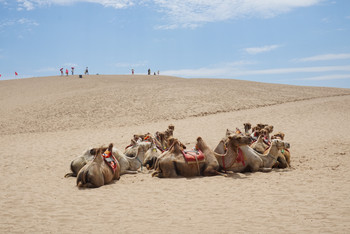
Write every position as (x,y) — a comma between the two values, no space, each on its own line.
(301,42)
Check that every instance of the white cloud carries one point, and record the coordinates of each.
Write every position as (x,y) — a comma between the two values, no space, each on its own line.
(195,12)
(229,71)
(32,4)
(327,77)
(23,21)
(258,50)
(192,13)
(323,57)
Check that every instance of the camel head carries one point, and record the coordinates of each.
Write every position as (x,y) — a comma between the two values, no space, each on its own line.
(94,151)
(171,127)
(280,144)
(239,140)
(247,126)
(279,135)
(229,132)
(269,128)
(261,126)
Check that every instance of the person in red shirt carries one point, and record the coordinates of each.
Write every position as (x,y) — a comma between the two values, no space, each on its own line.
(66,72)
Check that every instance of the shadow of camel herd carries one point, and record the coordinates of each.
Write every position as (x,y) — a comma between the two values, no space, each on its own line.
(255,149)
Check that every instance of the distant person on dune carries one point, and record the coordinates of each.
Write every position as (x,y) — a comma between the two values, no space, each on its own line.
(86,71)
(66,72)
(61,71)
(72,70)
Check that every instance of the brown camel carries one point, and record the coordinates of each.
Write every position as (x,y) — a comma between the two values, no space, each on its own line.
(173,164)
(97,172)
(163,137)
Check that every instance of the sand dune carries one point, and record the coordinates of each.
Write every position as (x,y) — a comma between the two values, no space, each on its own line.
(45,122)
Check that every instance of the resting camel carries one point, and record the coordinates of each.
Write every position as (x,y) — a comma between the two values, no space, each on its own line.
(163,137)
(229,148)
(260,145)
(80,161)
(247,127)
(97,172)
(128,165)
(284,157)
(151,156)
(131,150)
(254,161)
(172,163)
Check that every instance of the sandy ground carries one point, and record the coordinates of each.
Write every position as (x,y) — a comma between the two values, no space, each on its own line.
(46,122)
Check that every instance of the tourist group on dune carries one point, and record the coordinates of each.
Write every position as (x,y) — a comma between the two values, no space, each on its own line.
(251,151)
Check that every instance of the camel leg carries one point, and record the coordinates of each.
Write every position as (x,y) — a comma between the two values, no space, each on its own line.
(209,171)
(282,162)
(71,174)
(128,172)
(166,169)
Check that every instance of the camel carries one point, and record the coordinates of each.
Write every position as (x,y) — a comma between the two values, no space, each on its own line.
(284,157)
(81,161)
(163,137)
(128,165)
(254,161)
(97,172)
(247,127)
(172,163)
(131,150)
(260,145)
(151,156)
(229,148)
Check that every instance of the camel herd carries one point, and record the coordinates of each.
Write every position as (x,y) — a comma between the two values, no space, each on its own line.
(254,150)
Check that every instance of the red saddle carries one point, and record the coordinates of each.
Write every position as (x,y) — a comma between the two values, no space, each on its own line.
(193,156)
(110,160)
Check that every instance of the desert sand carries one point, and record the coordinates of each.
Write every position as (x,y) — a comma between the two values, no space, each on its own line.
(46,122)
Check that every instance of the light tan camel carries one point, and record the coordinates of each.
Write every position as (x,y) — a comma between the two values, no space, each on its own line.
(151,155)
(254,161)
(247,127)
(81,161)
(97,172)
(260,145)
(128,165)
(172,163)
(131,150)
(283,160)
(227,150)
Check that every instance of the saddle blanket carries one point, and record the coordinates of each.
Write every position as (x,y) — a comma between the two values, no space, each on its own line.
(240,157)
(110,160)
(192,156)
